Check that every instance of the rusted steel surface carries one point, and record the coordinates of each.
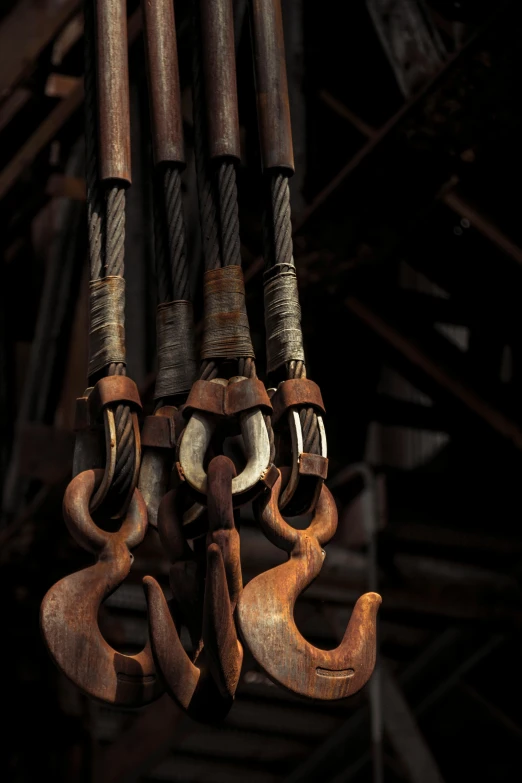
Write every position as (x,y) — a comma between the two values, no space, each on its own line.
(296,392)
(113,90)
(273,107)
(159,431)
(266,610)
(313,465)
(219,69)
(205,686)
(163,77)
(235,397)
(69,612)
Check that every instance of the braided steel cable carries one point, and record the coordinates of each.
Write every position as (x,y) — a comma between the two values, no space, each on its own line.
(169,230)
(94,194)
(106,236)
(206,195)
(228,214)
(279,250)
(207,205)
(114,264)
(176,233)
(281,219)
(163,276)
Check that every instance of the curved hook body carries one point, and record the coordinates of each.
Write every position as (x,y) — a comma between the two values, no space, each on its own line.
(266,611)
(69,611)
(205,687)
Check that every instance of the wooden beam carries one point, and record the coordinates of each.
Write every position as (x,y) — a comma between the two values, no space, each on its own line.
(62,186)
(347,114)
(25,32)
(144,744)
(60,85)
(483,224)
(435,666)
(52,124)
(40,139)
(457,388)
(189,769)
(12,105)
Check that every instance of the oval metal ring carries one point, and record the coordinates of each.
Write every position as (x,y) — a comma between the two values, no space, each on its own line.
(196,440)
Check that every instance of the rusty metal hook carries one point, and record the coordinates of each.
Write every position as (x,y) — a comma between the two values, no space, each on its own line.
(69,611)
(266,610)
(203,687)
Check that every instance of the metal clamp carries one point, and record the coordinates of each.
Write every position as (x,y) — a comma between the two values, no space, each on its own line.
(158,440)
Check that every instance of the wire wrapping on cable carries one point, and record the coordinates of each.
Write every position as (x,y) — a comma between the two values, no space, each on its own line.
(106,329)
(174,317)
(282,316)
(226,333)
(176,355)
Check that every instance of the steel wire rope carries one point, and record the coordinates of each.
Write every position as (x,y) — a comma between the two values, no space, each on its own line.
(277,225)
(106,230)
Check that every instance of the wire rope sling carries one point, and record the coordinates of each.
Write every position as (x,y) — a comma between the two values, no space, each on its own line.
(173,473)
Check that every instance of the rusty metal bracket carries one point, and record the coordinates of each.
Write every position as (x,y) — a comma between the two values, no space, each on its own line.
(296,392)
(113,390)
(238,396)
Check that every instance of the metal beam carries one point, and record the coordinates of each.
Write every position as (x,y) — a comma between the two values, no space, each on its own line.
(52,124)
(405,735)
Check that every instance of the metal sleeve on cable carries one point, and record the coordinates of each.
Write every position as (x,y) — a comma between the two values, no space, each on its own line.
(107,327)
(177,365)
(226,330)
(163,76)
(273,106)
(219,69)
(113,90)
(284,338)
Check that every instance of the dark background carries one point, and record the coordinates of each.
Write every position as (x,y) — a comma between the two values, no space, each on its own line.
(407,120)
